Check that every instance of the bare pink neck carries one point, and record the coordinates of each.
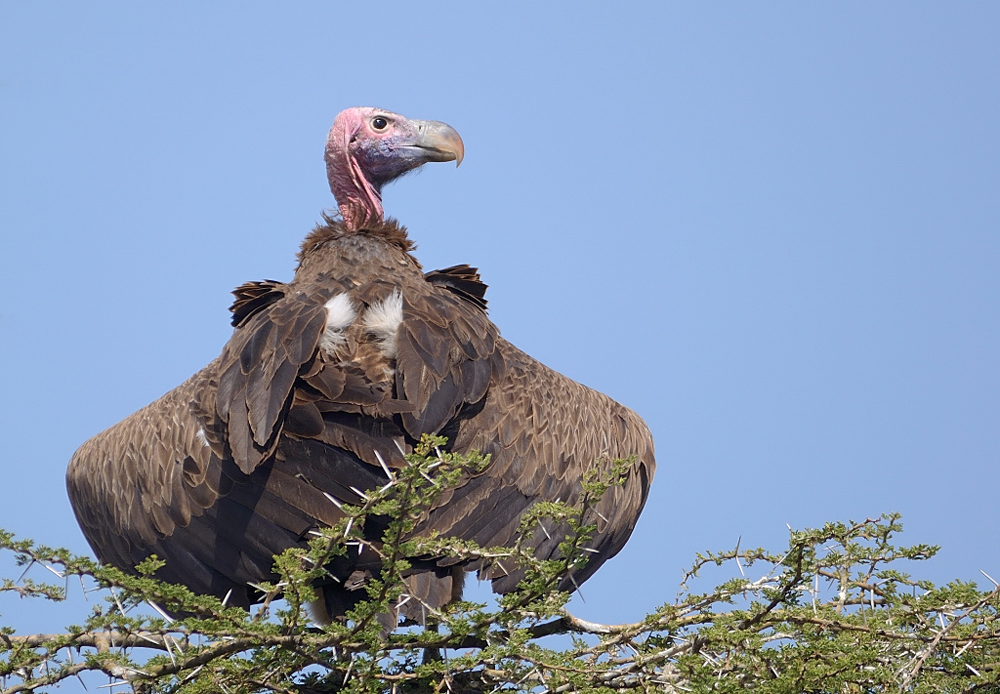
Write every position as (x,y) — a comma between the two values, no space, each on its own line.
(359,201)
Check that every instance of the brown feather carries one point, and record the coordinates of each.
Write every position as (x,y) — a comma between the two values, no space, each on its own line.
(236,464)
(252,297)
(463,280)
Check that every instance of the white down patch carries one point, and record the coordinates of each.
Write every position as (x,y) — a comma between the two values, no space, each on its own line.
(202,437)
(382,320)
(340,314)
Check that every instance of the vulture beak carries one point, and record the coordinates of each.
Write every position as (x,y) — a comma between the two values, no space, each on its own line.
(437,141)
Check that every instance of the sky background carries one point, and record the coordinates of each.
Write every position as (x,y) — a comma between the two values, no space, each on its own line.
(773,230)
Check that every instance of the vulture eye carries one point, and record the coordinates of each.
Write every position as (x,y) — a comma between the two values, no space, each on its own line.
(379,123)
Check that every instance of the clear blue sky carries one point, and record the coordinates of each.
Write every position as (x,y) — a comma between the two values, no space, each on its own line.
(771,229)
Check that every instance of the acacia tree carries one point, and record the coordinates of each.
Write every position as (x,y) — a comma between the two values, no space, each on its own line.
(832,612)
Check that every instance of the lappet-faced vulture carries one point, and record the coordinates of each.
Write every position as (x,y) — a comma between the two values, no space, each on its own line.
(352,361)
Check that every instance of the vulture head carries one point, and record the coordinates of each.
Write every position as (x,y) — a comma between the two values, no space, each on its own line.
(369,147)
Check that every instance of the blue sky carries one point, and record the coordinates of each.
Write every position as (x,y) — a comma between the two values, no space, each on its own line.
(773,230)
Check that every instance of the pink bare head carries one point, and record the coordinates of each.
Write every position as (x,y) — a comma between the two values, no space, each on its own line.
(369,147)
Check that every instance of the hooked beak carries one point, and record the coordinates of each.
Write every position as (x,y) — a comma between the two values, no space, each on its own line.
(438,141)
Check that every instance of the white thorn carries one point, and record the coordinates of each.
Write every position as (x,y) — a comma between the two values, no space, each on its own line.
(23,573)
(334,501)
(160,610)
(117,602)
(113,684)
(382,463)
(53,571)
(989,577)
(166,644)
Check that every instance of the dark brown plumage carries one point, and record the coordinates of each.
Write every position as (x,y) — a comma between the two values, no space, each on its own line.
(359,354)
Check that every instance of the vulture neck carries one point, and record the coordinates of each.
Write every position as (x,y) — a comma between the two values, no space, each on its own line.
(362,202)
(359,200)
(333,233)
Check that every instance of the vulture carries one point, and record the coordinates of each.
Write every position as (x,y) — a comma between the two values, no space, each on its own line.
(325,383)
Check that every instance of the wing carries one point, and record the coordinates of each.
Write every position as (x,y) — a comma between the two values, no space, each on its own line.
(319,381)
(543,432)
(240,462)
(159,483)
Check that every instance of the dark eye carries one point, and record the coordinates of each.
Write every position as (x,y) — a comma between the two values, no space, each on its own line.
(379,123)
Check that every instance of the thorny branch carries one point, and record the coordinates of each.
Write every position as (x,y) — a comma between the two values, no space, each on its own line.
(831,612)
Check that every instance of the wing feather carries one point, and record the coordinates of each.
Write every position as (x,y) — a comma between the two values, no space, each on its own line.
(241,461)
